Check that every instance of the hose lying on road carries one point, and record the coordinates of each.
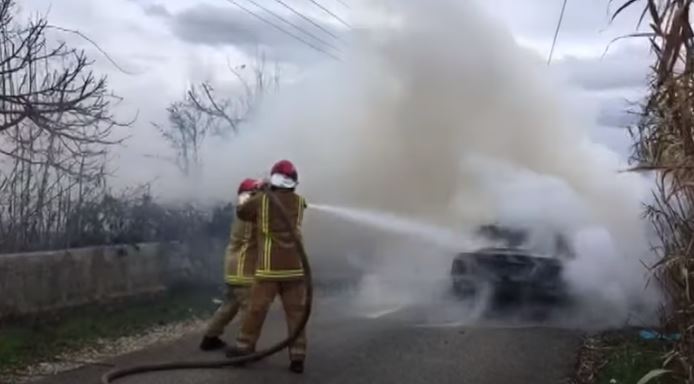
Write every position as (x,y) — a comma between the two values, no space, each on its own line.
(115,374)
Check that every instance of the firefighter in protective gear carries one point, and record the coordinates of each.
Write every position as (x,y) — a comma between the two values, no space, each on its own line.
(239,268)
(279,271)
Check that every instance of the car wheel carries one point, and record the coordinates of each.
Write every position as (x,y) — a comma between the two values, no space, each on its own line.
(475,295)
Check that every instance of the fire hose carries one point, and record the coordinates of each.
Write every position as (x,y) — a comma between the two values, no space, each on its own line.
(116,374)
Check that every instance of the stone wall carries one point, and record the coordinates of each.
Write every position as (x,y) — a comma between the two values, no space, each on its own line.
(36,282)
(44,281)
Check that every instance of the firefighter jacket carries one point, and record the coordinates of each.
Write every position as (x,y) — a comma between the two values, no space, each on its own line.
(241,254)
(278,256)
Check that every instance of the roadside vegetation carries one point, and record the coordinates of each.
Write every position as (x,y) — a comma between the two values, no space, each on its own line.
(622,357)
(46,338)
(58,134)
(628,359)
(664,146)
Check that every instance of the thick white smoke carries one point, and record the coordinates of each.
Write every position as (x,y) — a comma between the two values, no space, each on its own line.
(438,115)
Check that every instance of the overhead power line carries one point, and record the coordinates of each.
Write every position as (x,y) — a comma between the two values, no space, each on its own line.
(326,10)
(322,28)
(298,28)
(556,33)
(319,49)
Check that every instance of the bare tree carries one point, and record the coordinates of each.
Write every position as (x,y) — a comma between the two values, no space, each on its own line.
(55,130)
(203,112)
(230,111)
(185,132)
(51,87)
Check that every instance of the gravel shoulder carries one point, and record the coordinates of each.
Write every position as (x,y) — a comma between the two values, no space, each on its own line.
(102,350)
(33,350)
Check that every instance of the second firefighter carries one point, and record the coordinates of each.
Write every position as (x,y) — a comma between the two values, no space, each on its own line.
(239,267)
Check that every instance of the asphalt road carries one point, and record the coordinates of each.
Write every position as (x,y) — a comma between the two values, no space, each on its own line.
(404,346)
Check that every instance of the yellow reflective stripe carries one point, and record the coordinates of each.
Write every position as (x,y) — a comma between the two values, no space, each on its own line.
(239,280)
(300,215)
(239,260)
(280,274)
(264,213)
(278,277)
(268,238)
(268,252)
(241,264)
(265,222)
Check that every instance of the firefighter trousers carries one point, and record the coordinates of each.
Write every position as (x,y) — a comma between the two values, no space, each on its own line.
(235,302)
(292,294)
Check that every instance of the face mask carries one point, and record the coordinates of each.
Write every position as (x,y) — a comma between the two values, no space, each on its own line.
(282,181)
(243,197)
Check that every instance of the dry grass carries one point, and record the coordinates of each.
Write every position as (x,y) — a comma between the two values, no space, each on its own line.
(665,144)
(591,359)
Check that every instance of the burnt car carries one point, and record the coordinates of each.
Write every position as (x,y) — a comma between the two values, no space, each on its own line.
(508,276)
(512,274)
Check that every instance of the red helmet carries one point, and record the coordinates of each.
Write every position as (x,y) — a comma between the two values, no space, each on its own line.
(248,185)
(285,168)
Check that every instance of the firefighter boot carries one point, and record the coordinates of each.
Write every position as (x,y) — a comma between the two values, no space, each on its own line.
(297,366)
(211,343)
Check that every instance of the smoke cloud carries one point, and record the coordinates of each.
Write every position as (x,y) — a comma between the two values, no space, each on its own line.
(436,114)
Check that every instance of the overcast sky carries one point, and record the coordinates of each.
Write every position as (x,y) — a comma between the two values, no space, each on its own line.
(166,44)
